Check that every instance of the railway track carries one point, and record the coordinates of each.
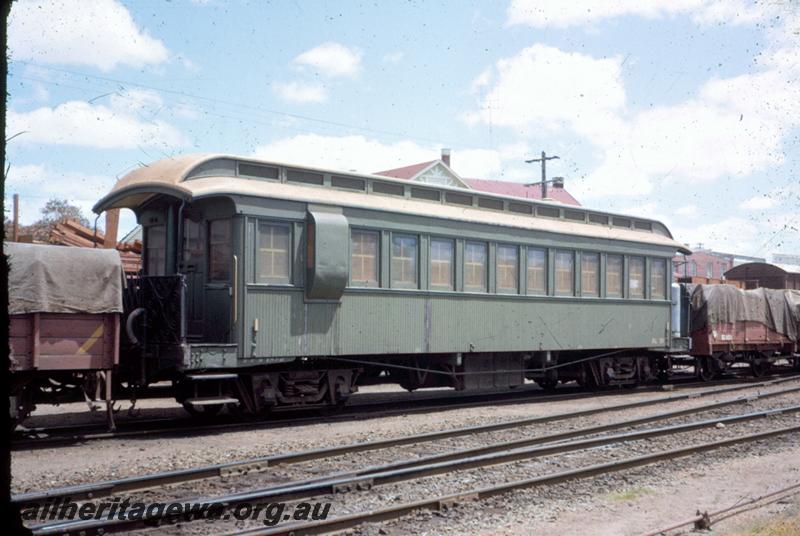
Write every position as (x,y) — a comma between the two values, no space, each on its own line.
(448,501)
(46,437)
(373,476)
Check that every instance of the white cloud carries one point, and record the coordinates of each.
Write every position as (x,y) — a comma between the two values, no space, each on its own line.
(730,234)
(545,87)
(747,236)
(556,13)
(394,57)
(730,128)
(38,183)
(687,210)
(129,121)
(482,80)
(98,33)
(331,59)
(760,202)
(300,92)
(364,155)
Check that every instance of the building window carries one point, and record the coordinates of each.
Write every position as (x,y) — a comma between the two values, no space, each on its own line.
(219,250)
(636,279)
(614,276)
(537,271)
(156,253)
(273,255)
(658,279)
(507,263)
(442,272)
(404,261)
(694,268)
(565,273)
(364,258)
(590,274)
(710,270)
(475,267)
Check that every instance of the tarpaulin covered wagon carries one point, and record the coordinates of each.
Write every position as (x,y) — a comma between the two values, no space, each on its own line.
(729,325)
(65,305)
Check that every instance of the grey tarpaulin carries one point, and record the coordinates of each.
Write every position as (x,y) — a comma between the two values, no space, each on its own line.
(61,279)
(777,309)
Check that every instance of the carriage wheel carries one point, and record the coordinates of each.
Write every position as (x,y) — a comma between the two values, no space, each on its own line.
(548,384)
(202,411)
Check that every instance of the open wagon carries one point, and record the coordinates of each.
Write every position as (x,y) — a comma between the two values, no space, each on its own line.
(65,305)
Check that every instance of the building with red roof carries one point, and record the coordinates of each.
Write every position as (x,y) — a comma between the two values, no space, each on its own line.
(439,172)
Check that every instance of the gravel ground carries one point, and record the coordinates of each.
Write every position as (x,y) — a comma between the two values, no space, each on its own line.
(541,510)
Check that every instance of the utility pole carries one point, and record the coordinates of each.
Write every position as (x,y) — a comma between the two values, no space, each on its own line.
(543,160)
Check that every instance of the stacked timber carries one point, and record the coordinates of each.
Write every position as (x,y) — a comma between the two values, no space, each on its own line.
(73,233)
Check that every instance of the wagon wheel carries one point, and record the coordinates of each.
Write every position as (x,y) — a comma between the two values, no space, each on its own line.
(705,369)
(758,367)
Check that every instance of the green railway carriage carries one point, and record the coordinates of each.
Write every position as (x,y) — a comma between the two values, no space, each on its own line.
(272,284)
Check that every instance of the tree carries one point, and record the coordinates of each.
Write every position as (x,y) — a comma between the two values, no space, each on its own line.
(58,210)
(54,211)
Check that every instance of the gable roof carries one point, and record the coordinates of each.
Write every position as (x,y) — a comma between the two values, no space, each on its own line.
(517,189)
(406,172)
(435,171)
(513,189)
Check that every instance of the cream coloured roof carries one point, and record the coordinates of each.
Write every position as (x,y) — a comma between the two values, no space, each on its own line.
(167,177)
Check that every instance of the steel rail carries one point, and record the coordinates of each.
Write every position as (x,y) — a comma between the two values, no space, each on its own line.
(448,501)
(284,418)
(382,475)
(40,437)
(707,519)
(111,487)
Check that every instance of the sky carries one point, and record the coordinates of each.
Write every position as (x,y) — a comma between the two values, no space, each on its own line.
(686,111)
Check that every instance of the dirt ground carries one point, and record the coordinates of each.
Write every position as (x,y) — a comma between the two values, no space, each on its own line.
(639,509)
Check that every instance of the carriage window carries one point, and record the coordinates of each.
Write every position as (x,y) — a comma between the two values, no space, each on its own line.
(364,258)
(192,244)
(614,276)
(636,279)
(507,269)
(537,271)
(156,242)
(273,255)
(219,250)
(474,267)
(658,279)
(404,261)
(590,274)
(565,273)
(442,264)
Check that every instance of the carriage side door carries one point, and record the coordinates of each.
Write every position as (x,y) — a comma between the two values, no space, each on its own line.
(217,302)
(193,266)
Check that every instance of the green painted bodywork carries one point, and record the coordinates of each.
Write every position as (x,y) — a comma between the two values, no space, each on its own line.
(318,315)
(378,321)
